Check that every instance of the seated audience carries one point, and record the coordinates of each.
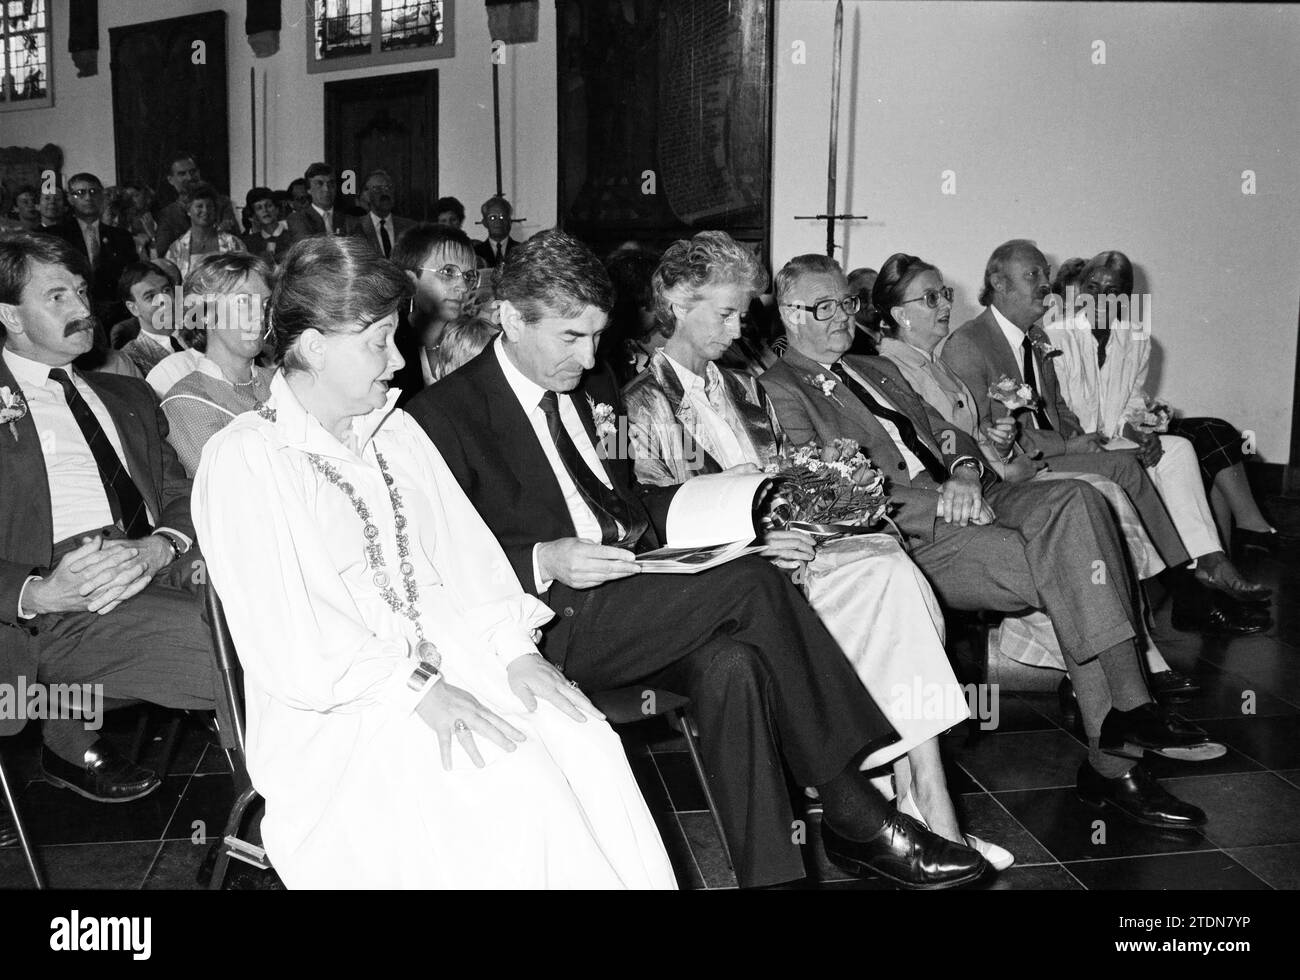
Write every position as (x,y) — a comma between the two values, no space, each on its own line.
(867,335)
(109,249)
(203,237)
(320,217)
(449,212)
(53,211)
(768,684)
(986,544)
(1003,342)
(686,417)
(269,235)
(439,261)
(234,288)
(143,226)
(379,226)
(95,590)
(910,329)
(462,341)
(27,208)
(401,740)
(174,219)
(497,219)
(1103,373)
(146,291)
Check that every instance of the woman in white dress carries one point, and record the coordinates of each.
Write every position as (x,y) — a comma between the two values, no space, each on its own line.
(401,725)
(687,416)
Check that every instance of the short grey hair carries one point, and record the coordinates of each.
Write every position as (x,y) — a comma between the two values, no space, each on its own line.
(689,266)
(800,266)
(1003,254)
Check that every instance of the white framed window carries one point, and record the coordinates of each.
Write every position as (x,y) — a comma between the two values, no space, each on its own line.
(25,47)
(362,33)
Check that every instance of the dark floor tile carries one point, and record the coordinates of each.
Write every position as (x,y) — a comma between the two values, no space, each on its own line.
(1024,760)
(1226,694)
(983,816)
(650,782)
(1274,742)
(1292,776)
(856,885)
(79,866)
(203,808)
(1073,831)
(1042,877)
(1203,871)
(1244,809)
(59,816)
(1277,864)
(679,851)
(960,782)
(176,866)
(704,844)
(683,784)
(213,761)
(1018,712)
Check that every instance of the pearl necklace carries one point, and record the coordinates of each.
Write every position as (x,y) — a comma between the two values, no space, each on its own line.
(425,649)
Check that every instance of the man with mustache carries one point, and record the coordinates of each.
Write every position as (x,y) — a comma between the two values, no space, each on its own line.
(92,585)
(1007,340)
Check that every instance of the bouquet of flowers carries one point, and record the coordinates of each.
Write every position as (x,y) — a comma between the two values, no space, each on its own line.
(816,486)
(1015,395)
(12,408)
(1154,418)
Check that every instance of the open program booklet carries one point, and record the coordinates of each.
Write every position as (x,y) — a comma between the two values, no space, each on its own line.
(710,522)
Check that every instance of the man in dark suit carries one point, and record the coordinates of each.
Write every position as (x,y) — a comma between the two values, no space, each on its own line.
(110,250)
(985,544)
(93,590)
(766,681)
(321,218)
(380,227)
(498,216)
(1006,340)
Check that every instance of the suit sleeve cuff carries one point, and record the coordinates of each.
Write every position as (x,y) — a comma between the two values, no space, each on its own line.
(184,538)
(962,460)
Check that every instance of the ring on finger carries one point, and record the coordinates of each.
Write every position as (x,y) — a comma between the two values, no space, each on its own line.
(460,725)
(573,684)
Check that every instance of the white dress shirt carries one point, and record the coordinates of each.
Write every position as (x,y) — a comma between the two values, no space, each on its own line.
(729,451)
(388,224)
(327,217)
(1015,340)
(529,393)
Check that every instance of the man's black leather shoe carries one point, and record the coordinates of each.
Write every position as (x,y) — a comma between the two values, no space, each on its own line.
(907,854)
(107,777)
(1139,797)
(1153,727)
(1173,685)
(1219,618)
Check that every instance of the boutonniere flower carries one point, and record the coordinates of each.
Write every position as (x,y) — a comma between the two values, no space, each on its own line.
(603,416)
(1045,349)
(826,385)
(1154,418)
(12,407)
(1015,395)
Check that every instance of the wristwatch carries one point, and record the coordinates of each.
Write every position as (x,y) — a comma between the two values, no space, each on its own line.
(424,675)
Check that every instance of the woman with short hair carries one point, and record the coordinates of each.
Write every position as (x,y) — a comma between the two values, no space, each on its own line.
(226,381)
(268,236)
(402,727)
(687,417)
(203,237)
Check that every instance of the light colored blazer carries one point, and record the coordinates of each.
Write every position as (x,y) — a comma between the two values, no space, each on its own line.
(1102,398)
(978,353)
(669,443)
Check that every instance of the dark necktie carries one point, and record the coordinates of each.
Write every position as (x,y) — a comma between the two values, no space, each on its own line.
(501,253)
(124,500)
(1031,379)
(383,237)
(608,506)
(906,430)
(177,346)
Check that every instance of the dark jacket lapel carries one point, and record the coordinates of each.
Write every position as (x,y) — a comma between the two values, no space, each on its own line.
(28,533)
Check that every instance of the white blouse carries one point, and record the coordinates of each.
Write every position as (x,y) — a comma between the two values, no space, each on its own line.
(1103,399)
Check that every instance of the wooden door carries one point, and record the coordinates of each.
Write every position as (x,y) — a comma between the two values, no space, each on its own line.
(169,93)
(390,123)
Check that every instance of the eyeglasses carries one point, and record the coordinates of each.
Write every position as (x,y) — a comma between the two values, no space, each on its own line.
(86,192)
(931,297)
(452,272)
(827,307)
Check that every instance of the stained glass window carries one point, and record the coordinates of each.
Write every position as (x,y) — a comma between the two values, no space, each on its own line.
(25,43)
(355,33)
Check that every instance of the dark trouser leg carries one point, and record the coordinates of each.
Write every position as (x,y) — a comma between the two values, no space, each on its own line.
(155,647)
(812,703)
(1123,467)
(731,702)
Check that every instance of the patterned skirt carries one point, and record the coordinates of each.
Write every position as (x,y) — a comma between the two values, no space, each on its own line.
(1217,444)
